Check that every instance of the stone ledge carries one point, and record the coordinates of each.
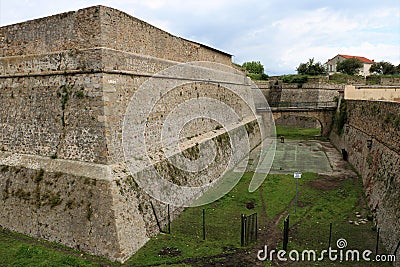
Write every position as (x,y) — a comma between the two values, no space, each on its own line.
(75,168)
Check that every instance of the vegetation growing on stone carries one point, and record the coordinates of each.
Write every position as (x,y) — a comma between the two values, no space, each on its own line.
(39,176)
(341,118)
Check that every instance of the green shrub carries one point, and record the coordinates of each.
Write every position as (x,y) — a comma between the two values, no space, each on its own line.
(292,78)
(258,77)
(373,79)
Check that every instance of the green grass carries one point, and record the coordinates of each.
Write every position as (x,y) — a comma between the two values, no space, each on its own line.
(337,206)
(222,218)
(298,133)
(16,252)
(310,225)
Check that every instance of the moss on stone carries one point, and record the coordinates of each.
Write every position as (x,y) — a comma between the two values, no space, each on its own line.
(69,204)
(89,212)
(21,194)
(192,153)
(4,168)
(39,176)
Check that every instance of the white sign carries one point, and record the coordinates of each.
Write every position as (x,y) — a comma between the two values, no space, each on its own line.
(297,175)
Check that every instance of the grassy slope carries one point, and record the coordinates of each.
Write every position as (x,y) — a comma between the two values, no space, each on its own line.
(17,250)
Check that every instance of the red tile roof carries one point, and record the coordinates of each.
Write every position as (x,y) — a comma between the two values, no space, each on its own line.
(363,59)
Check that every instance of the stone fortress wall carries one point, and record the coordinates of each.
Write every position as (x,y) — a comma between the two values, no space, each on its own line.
(101,27)
(278,91)
(312,91)
(371,138)
(65,84)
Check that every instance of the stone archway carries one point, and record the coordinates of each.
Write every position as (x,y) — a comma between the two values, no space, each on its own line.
(324,117)
(298,121)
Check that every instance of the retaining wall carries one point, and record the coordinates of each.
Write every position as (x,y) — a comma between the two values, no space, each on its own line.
(371,138)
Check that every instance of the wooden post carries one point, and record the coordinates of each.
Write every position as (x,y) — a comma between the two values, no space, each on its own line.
(242,232)
(169,221)
(395,251)
(256,227)
(286,233)
(204,224)
(155,215)
(377,242)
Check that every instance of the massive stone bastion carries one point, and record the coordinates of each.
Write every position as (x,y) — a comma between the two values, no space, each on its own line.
(66,83)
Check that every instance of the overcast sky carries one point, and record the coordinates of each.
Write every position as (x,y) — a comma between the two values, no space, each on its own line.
(279,33)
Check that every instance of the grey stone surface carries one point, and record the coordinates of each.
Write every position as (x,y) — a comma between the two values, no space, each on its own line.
(65,84)
(379,164)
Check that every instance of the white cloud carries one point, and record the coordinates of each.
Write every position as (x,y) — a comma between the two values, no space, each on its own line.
(322,33)
(281,34)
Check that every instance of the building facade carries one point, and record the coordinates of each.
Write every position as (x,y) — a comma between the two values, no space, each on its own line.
(331,65)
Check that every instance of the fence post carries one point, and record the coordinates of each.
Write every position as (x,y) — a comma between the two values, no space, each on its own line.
(377,242)
(155,215)
(169,221)
(330,235)
(242,231)
(250,229)
(204,224)
(395,251)
(256,227)
(247,230)
(285,233)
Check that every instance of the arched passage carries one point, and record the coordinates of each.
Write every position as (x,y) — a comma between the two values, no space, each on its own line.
(298,121)
(323,117)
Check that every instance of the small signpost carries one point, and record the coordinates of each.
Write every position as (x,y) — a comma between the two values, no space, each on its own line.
(297,176)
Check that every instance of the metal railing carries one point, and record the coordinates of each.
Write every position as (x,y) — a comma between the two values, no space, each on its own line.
(303,104)
(298,105)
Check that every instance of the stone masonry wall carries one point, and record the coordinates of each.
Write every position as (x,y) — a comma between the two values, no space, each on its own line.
(303,122)
(276,91)
(101,26)
(65,84)
(54,116)
(138,37)
(72,30)
(379,165)
(95,208)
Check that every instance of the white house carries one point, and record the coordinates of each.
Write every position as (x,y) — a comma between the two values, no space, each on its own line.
(364,71)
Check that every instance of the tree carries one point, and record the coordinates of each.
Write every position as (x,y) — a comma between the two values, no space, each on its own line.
(253,67)
(384,68)
(309,68)
(349,66)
